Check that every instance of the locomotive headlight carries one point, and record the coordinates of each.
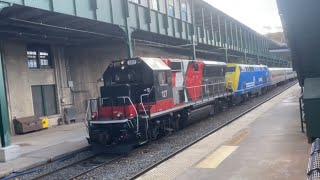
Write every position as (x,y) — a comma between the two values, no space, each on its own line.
(122,67)
(94,115)
(122,62)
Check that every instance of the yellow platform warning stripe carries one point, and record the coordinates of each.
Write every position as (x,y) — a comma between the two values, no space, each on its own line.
(217,157)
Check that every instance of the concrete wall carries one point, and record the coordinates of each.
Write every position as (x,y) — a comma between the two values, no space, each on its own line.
(19,79)
(87,65)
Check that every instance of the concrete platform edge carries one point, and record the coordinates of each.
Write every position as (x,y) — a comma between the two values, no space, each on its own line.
(6,173)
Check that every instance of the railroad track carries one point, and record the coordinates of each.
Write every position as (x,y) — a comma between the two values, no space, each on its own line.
(206,135)
(88,164)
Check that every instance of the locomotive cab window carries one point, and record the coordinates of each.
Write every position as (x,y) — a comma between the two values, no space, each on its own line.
(162,78)
(125,74)
(231,69)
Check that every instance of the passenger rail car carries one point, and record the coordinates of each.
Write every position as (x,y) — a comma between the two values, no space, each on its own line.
(143,98)
(281,75)
(277,75)
(290,74)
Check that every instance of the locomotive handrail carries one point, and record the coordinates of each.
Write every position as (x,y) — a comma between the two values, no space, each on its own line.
(102,100)
(135,109)
(208,85)
(205,85)
(87,112)
(144,109)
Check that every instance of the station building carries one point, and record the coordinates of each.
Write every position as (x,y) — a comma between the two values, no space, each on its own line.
(53,54)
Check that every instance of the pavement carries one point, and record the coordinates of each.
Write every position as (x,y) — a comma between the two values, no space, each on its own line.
(265,144)
(47,145)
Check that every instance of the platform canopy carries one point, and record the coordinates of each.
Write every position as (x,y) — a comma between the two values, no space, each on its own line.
(300,19)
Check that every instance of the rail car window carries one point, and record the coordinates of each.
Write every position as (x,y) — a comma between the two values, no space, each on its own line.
(176,66)
(231,69)
(162,77)
(211,71)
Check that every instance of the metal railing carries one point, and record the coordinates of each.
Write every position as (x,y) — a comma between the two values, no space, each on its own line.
(141,100)
(89,111)
(124,106)
(208,91)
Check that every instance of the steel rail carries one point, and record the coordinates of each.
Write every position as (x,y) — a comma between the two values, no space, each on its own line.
(83,161)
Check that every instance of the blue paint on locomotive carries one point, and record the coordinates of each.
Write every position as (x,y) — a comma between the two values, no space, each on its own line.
(252,78)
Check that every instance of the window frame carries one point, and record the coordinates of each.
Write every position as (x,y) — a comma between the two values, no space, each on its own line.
(163,78)
(152,3)
(135,1)
(173,8)
(184,11)
(42,54)
(231,69)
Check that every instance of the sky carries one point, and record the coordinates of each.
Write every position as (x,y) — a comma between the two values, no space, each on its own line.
(260,15)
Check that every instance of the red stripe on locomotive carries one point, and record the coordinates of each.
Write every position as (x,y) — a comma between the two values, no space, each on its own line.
(194,79)
(110,112)
(162,105)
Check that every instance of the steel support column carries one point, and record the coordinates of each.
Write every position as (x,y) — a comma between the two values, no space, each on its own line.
(4,121)
(226,39)
(245,57)
(128,31)
(219,29)
(194,55)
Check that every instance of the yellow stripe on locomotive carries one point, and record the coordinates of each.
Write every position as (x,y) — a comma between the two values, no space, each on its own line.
(232,76)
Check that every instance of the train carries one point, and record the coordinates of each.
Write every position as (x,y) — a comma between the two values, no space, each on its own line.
(145,98)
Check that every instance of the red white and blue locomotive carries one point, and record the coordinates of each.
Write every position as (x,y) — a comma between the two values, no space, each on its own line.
(143,98)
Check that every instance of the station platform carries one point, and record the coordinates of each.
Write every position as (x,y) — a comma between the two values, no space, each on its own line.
(40,147)
(265,144)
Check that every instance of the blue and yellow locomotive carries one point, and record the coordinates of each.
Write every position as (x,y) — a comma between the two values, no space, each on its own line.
(246,80)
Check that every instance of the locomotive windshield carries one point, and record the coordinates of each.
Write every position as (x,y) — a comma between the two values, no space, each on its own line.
(126,76)
(231,69)
(125,73)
